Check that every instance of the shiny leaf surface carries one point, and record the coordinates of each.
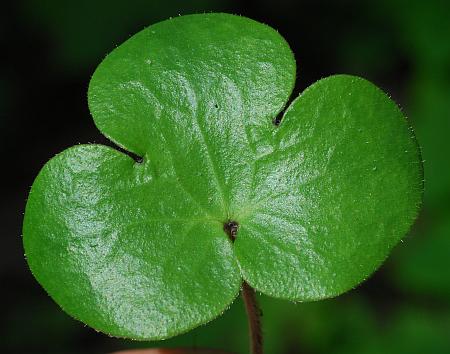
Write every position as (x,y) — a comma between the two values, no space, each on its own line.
(138,249)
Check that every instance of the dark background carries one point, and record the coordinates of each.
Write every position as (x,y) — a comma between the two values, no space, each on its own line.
(49,49)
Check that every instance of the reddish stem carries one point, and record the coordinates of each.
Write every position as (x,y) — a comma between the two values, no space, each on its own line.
(254,318)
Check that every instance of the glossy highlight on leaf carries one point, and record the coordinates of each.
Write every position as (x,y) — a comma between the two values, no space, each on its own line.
(139,250)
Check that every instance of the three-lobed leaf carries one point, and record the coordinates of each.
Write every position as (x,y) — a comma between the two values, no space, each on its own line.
(139,249)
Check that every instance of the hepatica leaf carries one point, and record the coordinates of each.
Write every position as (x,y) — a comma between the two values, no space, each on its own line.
(139,249)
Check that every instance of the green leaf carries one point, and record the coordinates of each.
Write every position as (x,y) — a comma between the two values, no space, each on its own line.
(340,187)
(139,249)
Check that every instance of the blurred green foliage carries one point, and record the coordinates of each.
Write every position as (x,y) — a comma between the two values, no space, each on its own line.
(402,45)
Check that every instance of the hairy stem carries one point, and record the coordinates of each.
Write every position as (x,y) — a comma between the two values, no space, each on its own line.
(254,318)
(248,295)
